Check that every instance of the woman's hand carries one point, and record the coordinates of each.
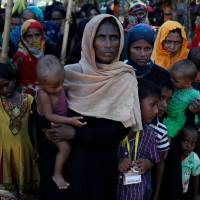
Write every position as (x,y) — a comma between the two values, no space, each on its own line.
(124,165)
(142,165)
(60,132)
(195,106)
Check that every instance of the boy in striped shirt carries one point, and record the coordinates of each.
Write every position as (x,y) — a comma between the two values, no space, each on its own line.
(138,151)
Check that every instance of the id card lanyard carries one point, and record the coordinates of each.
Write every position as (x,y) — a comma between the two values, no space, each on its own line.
(136,145)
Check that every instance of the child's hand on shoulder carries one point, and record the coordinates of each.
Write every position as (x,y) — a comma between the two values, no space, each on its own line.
(124,165)
(75,121)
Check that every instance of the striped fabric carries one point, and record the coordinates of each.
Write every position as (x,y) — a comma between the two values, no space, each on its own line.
(147,150)
(161,135)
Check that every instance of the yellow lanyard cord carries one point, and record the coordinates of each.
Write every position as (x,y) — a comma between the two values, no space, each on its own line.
(136,145)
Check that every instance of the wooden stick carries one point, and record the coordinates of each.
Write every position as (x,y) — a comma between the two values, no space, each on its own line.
(4,52)
(188,25)
(66,32)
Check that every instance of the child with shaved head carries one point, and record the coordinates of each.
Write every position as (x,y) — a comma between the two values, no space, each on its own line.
(52,104)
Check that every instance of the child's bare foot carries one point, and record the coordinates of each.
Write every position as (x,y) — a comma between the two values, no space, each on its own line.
(60,182)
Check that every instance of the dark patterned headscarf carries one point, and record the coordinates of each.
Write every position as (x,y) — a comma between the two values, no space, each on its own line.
(136,6)
(132,17)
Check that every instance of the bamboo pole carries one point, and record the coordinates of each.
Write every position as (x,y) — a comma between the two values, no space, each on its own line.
(66,32)
(5,43)
(188,25)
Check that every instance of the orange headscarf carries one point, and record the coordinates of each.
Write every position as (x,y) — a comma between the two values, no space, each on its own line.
(160,56)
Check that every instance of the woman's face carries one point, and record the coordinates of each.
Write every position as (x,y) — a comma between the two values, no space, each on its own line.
(33,37)
(172,43)
(140,52)
(57,18)
(106,43)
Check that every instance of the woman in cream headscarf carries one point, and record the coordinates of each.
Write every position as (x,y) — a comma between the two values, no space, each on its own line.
(170,45)
(104,91)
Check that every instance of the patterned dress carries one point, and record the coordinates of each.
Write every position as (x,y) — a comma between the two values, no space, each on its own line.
(16,163)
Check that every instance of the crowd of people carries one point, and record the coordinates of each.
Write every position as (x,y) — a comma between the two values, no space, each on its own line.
(119,121)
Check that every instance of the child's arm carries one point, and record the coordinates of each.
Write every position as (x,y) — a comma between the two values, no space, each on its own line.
(45,108)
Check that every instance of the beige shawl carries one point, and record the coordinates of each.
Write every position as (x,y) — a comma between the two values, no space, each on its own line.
(103,90)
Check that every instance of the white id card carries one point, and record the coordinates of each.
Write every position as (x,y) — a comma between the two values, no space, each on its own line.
(132,177)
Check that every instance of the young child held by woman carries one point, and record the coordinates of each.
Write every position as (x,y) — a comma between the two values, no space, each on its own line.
(52,104)
(138,151)
(18,171)
(190,161)
(183,74)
